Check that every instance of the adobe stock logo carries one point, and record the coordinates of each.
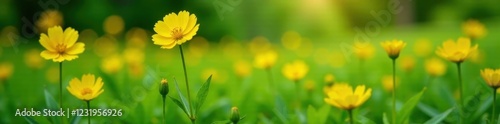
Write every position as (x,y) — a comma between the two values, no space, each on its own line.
(371,29)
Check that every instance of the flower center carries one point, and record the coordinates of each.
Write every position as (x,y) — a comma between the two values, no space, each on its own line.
(86,91)
(177,33)
(61,48)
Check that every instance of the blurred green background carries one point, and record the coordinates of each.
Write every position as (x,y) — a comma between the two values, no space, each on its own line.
(231,31)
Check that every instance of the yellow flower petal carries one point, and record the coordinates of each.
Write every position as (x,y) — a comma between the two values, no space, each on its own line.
(70,37)
(77,48)
(49,55)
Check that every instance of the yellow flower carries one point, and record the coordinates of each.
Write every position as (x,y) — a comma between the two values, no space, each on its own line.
(86,89)
(112,64)
(473,29)
(265,60)
(407,63)
(491,77)
(422,48)
(341,95)
(363,50)
(136,37)
(296,70)
(242,68)
(105,46)
(5,70)
(387,83)
(49,18)
(113,25)
(61,46)
(393,48)
(33,60)
(329,79)
(435,67)
(175,29)
(456,52)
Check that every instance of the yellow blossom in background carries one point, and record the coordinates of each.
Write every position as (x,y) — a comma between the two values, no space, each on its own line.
(473,29)
(309,85)
(133,55)
(393,48)
(52,74)
(456,52)
(61,45)
(491,77)
(242,68)
(6,69)
(175,29)
(387,83)
(259,44)
(111,64)
(7,35)
(198,46)
(329,79)
(296,70)
(435,67)
(305,49)
(48,19)
(422,48)
(291,40)
(336,59)
(476,56)
(87,88)
(105,46)
(136,37)
(407,63)
(88,36)
(33,60)
(113,25)
(218,76)
(232,49)
(341,95)
(363,50)
(265,60)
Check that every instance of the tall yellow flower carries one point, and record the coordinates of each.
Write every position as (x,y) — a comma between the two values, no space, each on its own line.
(175,29)
(364,51)
(296,70)
(86,89)
(435,67)
(265,60)
(393,48)
(458,51)
(49,18)
(491,77)
(473,29)
(341,95)
(61,45)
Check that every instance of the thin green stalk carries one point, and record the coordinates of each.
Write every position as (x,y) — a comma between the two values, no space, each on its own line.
(187,86)
(163,110)
(394,91)
(494,105)
(88,109)
(460,89)
(60,84)
(351,119)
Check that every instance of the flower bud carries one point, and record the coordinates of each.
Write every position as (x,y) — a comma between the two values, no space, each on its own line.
(164,87)
(235,115)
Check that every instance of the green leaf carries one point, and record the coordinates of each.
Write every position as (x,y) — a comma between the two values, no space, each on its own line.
(30,120)
(405,112)
(384,119)
(312,117)
(280,109)
(440,117)
(202,94)
(364,120)
(75,120)
(427,109)
(323,113)
(52,105)
(222,122)
(183,103)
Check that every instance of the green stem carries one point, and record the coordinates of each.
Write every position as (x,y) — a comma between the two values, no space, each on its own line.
(163,110)
(351,119)
(394,91)
(187,85)
(494,105)
(460,91)
(60,84)
(88,109)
